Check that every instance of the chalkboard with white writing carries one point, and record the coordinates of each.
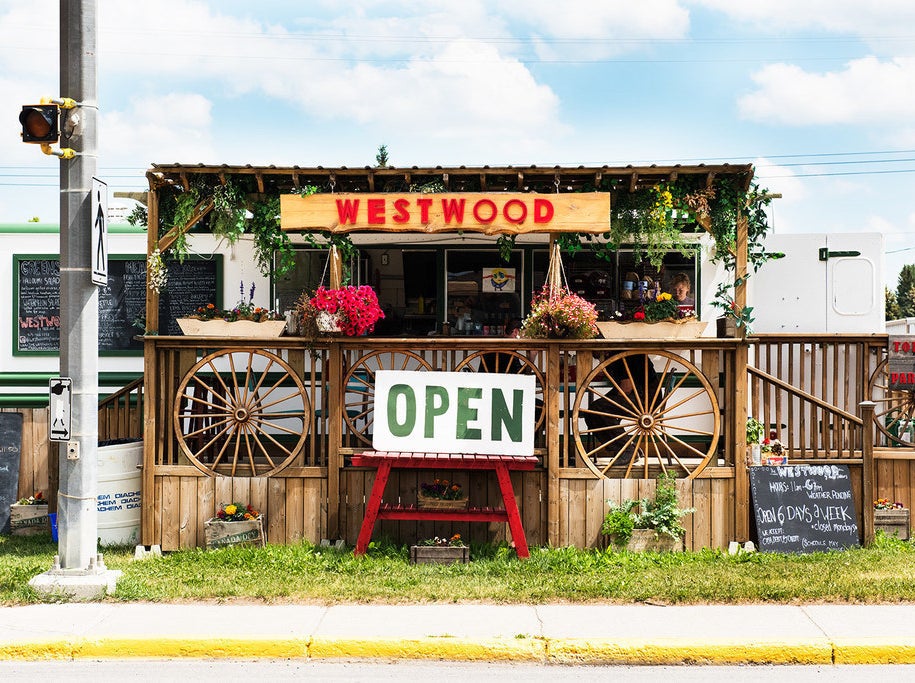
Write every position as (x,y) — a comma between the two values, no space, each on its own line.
(121,303)
(803,508)
(10,452)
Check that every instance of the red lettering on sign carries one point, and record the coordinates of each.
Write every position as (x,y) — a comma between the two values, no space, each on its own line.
(347,210)
(453,209)
(424,204)
(488,204)
(543,210)
(375,208)
(522,213)
(402,215)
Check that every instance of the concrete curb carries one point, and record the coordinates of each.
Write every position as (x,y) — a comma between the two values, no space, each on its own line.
(519,649)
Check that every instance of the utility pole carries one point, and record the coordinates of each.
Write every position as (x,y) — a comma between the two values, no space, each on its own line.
(78,569)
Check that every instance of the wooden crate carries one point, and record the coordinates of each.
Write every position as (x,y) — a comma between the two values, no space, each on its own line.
(647,540)
(247,532)
(439,554)
(893,522)
(28,520)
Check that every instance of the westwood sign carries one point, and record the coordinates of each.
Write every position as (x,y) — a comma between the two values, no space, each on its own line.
(493,212)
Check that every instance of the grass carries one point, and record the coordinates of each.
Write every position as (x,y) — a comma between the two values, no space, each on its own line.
(884,572)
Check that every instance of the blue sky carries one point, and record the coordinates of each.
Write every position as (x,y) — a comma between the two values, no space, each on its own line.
(819,94)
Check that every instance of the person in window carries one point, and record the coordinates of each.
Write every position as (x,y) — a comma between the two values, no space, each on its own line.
(681,290)
(610,418)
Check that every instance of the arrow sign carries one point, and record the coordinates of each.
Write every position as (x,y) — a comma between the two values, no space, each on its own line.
(99,202)
(60,393)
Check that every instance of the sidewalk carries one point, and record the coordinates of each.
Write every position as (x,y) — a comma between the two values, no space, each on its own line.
(556,633)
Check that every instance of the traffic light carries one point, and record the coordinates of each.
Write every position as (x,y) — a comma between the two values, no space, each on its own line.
(40,123)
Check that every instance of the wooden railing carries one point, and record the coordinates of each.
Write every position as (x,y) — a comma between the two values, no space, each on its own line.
(808,389)
(120,415)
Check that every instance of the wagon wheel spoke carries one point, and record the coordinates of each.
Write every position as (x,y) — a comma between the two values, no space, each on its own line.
(650,430)
(252,397)
(359,387)
(896,408)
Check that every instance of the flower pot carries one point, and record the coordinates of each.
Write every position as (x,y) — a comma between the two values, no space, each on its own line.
(428,503)
(439,554)
(247,532)
(681,329)
(28,520)
(328,323)
(893,522)
(726,328)
(647,540)
(193,327)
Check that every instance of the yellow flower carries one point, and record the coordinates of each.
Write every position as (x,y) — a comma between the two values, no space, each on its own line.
(664,296)
(231,509)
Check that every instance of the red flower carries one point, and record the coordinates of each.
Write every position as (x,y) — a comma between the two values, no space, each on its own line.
(638,315)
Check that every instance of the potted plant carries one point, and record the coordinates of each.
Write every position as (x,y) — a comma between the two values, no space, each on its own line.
(668,320)
(235,524)
(755,431)
(892,518)
(441,494)
(648,524)
(440,551)
(29,516)
(773,452)
(243,320)
(556,313)
(349,310)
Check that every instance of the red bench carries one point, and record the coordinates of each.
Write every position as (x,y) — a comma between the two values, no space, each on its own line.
(501,464)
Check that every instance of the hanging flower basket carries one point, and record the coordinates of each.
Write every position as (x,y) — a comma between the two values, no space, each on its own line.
(351,311)
(328,323)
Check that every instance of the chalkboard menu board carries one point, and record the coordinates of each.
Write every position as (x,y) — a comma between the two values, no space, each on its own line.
(122,302)
(803,508)
(10,451)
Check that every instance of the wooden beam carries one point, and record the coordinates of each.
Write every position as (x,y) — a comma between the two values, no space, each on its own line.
(202,209)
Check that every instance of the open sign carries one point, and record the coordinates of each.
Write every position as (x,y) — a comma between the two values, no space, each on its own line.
(454,412)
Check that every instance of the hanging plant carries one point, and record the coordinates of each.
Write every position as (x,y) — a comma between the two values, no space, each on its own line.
(651,220)
(506,244)
(270,239)
(229,207)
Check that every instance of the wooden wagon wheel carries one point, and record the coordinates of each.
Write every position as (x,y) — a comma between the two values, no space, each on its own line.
(652,427)
(507,361)
(894,413)
(359,403)
(236,410)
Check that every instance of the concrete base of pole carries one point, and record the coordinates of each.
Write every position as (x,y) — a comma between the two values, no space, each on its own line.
(92,583)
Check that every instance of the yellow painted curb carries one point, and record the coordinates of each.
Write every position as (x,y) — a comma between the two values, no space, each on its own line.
(681,651)
(884,651)
(490,650)
(55,649)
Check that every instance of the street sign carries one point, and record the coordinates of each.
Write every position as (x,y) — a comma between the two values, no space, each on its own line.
(99,197)
(60,404)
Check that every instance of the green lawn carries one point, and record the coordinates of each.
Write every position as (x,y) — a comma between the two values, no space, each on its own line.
(884,572)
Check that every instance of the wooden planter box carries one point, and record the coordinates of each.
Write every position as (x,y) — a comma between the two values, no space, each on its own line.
(239,328)
(439,554)
(686,329)
(28,520)
(893,522)
(646,540)
(247,532)
(427,503)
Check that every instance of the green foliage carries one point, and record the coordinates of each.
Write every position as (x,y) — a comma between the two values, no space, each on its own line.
(755,430)
(506,244)
(893,311)
(381,158)
(228,216)
(619,522)
(652,219)
(138,216)
(662,513)
(905,291)
(269,238)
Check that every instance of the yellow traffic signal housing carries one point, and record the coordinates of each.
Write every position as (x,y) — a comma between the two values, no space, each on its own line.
(40,123)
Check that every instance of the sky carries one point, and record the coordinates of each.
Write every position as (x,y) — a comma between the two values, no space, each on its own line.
(818,94)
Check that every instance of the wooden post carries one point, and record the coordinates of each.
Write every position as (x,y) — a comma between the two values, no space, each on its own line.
(152,239)
(739,409)
(334,437)
(336,267)
(551,396)
(151,386)
(868,480)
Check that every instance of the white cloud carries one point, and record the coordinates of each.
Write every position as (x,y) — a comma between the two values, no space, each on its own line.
(866,91)
(175,127)
(877,18)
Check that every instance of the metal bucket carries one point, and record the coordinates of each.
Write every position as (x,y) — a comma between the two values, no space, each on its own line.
(119,498)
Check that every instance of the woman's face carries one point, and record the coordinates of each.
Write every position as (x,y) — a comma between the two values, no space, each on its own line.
(681,291)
